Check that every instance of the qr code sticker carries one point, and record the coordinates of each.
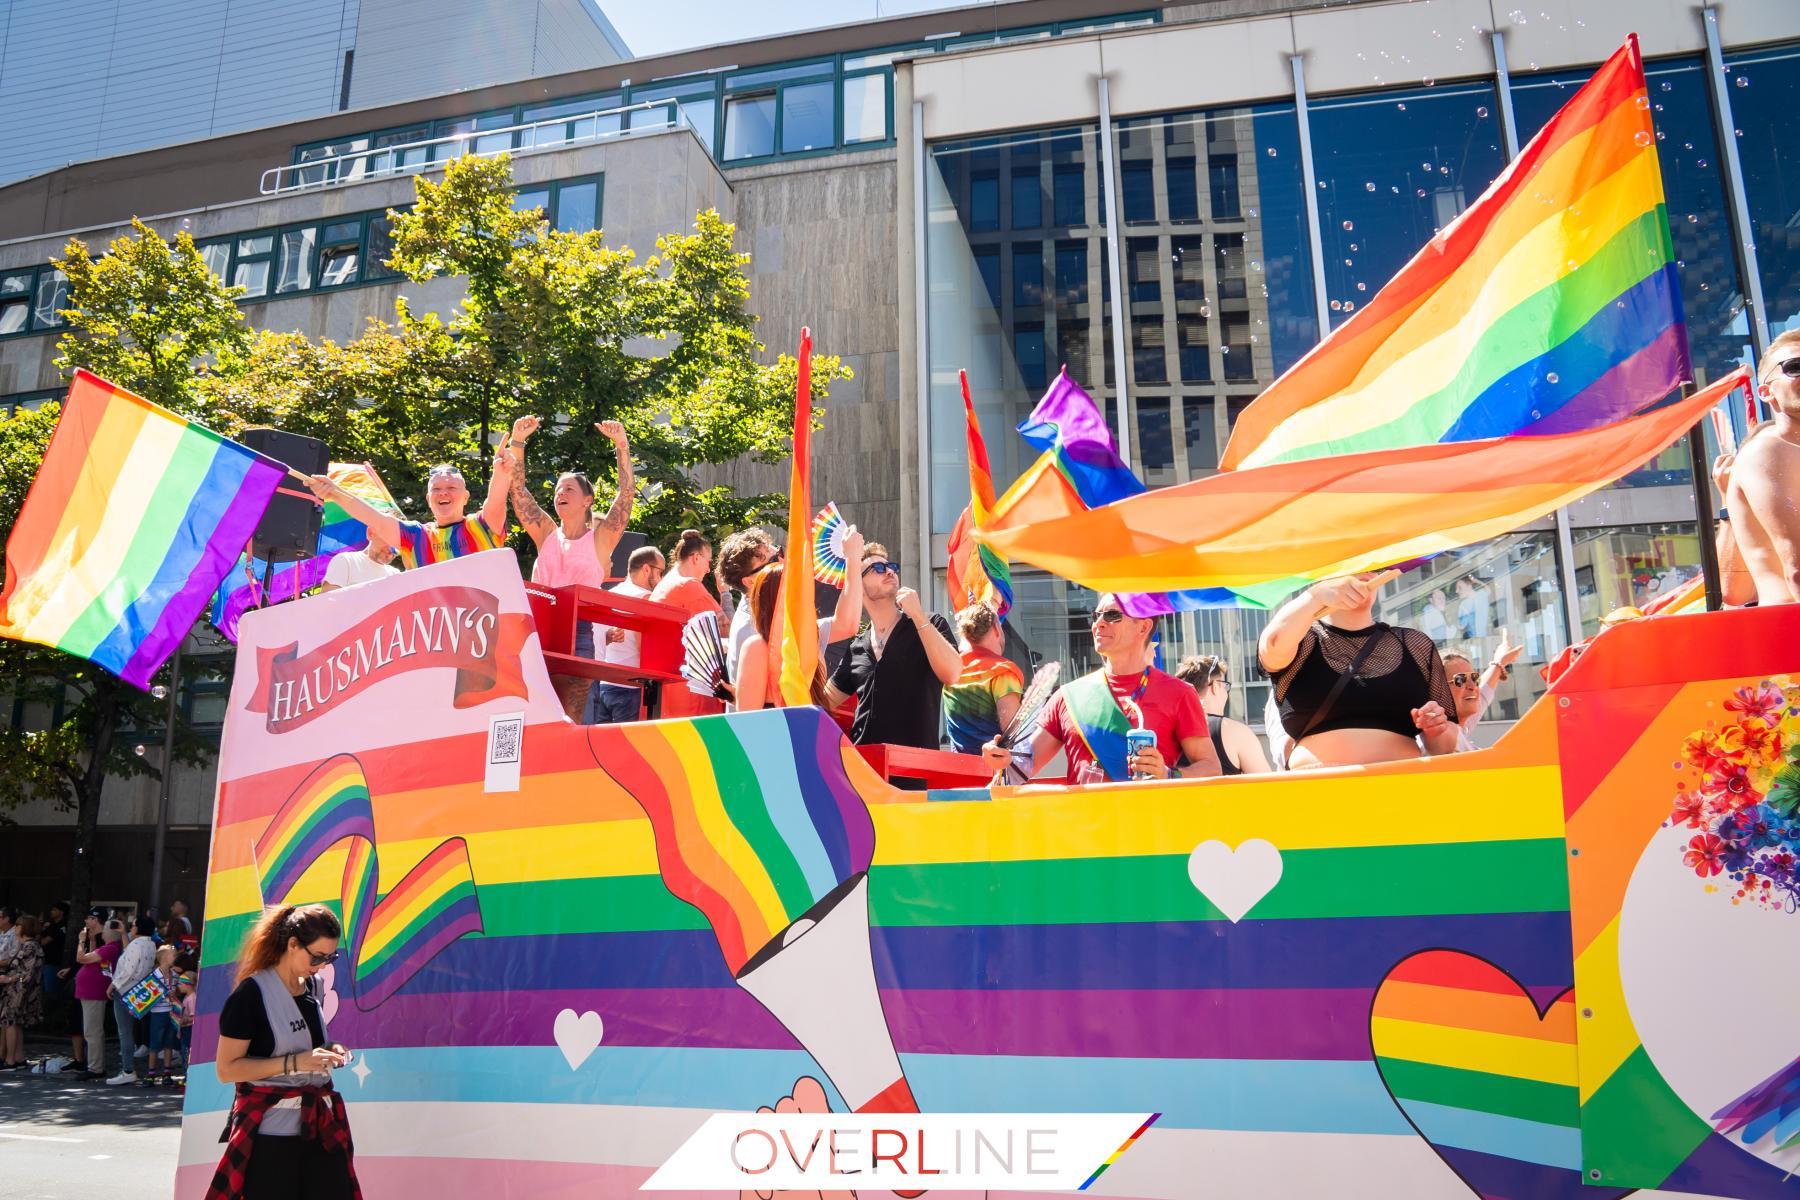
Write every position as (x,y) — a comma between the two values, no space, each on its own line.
(504,745)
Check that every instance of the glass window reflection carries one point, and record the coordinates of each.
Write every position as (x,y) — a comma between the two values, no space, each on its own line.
(1765,95)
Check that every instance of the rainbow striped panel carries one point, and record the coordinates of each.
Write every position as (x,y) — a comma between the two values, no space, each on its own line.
(135,516)
(1550,305)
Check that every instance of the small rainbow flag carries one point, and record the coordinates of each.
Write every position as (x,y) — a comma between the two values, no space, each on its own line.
(339,532)
(135,516)
(749,829)
(1550,306)
(389,937)
(977,574)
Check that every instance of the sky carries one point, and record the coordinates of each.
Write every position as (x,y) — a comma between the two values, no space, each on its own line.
(659,26)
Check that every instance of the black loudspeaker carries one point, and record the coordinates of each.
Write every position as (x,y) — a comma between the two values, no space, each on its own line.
(290,528)
(629,541)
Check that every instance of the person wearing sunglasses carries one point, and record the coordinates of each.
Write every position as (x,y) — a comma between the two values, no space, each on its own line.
(1240,750)
(1090,717)
(1764,502)
(452,531)
(898,666)
(287,1134)
(747,552)
(1475,692)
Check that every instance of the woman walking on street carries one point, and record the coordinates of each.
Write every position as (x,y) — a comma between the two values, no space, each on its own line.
(288,1134)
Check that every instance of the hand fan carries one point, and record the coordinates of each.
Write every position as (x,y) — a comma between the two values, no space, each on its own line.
(1031,706)
(704,667)
(828,529)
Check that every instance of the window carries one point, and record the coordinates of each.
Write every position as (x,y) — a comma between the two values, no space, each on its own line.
(529,198)
(865,108)
(750,127)
(1028,275)
(1027,199)
(984,202)
(1222,179)
(1028,352)
(577,207)
(381,248)
(52,298)
(217,257)
(255,260)
(340,253)
(1156,440)
(1187,255)
(26,401)
(1184,200)
(1202,439)
(700,113)
(1070,196)
(1229,249)
(1190,341)
(296,273)
(1764,91)
(807,117)
(584,124)
(15,302)
(1148,362)
(987,265)
(1144,261)
(1139,179)
(1071,273)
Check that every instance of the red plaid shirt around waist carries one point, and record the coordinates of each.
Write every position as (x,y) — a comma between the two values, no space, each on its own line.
(322,1116)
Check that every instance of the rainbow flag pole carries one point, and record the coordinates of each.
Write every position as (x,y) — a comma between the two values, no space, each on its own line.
(134,518)
(799,632)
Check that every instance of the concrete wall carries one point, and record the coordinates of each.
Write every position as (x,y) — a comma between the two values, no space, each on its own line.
(819,233)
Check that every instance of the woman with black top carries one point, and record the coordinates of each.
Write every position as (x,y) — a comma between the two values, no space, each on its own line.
(288,1134)
(1352,689)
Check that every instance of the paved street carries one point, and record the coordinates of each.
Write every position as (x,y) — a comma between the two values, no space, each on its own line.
(74,1141)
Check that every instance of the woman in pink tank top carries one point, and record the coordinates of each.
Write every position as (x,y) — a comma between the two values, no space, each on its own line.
(576,547)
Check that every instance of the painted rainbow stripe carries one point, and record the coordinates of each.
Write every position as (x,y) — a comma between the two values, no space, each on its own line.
(392,937)
(1550,305)
(134,518)
(748,828)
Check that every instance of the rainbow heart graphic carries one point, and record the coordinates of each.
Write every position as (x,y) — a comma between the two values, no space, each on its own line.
(1484,1074)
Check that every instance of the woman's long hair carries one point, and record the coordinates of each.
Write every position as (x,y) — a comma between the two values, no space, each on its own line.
(268,938)
(765,593)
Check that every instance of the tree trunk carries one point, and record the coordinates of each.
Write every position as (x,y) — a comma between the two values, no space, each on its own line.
(87,813)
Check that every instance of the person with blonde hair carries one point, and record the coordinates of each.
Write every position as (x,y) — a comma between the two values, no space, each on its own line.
(1762,505)
(288,1133)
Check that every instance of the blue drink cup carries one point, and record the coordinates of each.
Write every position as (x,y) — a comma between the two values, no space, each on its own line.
(1137,740)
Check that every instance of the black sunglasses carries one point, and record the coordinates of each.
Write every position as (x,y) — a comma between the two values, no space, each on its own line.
(319,960)
(1789,367)
(1112,616)
(1462,677)
(882,568)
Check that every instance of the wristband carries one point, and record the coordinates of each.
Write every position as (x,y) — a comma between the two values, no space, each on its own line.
(1724,515)
(1173,773)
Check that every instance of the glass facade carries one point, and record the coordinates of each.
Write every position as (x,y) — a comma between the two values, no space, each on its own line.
(1216,277)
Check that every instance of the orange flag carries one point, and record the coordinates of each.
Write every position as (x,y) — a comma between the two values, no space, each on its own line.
(1328,516)
(799,628)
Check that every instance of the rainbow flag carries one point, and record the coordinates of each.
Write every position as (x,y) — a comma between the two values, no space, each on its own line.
(976,573)
(135,516)
(1551,305)
(1331,516)
(338,532)
(388,937)
(799,632)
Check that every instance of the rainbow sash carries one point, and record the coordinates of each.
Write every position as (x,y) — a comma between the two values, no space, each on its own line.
(1099,722)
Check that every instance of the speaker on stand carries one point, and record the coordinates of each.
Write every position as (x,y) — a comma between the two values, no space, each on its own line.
(289,529)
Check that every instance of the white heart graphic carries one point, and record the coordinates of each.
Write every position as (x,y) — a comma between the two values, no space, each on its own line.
(1235,880)
(578,1035)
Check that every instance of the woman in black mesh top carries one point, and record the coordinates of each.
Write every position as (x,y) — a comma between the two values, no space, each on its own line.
(1352,689)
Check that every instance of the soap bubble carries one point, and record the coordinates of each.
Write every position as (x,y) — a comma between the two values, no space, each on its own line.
(1349,225)
(1369,187)
(1552,377)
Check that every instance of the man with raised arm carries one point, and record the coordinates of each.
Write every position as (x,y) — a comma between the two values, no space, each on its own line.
(451,533)
(1764,502)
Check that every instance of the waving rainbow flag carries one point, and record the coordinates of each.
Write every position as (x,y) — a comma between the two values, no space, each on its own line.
(1550,305)
(135,516)
(977,574)
(799,612)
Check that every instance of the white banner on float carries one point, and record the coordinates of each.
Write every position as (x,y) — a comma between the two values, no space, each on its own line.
(902,1152)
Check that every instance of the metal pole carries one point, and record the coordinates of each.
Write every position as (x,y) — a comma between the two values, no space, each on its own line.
(922,368)
(1109,175)
(163,785)
(1737,201)
(1703,506)
(1316,239)
(1565,535)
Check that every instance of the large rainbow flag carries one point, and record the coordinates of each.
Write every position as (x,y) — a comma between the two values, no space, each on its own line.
(135,516)
(799,630)
(1550,305)
(976,574)
(339,532)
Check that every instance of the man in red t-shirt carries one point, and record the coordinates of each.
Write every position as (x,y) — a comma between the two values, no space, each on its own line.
(1089,719)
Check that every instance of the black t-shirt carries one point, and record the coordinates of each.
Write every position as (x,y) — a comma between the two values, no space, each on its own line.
(898,697)
(56,937)
(245,1017)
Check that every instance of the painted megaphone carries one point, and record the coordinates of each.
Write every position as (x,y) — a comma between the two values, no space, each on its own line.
(775,853)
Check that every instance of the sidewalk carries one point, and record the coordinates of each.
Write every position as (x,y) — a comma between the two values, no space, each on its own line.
(64,1140)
